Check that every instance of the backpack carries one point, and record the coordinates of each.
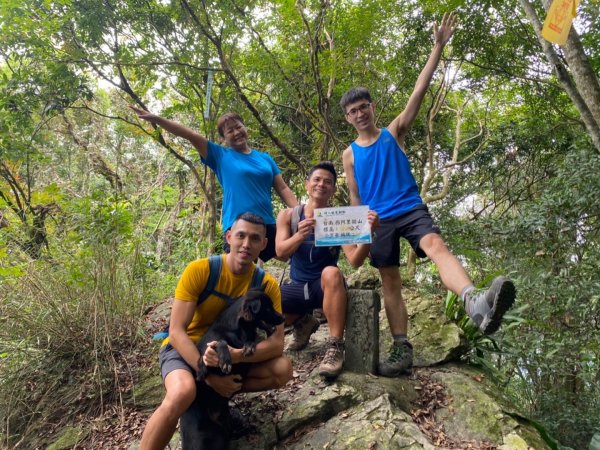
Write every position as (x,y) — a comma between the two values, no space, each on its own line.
(296,213)
(214,273)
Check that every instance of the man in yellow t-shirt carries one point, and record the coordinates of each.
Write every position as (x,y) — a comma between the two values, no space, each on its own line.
(189,321)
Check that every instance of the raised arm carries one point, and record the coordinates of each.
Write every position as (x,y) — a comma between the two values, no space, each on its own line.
(195,138)
(348,161)
(284,191)
(286,244)
(400,126)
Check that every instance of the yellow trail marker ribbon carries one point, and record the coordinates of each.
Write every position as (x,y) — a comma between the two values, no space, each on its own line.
(558,21)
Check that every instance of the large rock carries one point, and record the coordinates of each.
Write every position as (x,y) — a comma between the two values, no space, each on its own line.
(474,413)
(149,391)
(362,411)
(366,277)
(319,402)
(375,424)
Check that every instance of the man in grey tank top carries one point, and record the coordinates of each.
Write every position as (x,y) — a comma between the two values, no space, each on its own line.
(378,174)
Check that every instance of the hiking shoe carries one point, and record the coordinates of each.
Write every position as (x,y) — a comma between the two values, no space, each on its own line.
(303,328)
(319,314)
(399,361)
(487,306)
(332,363)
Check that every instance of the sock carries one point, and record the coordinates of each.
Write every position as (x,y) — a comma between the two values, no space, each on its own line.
(399,338)
(334,340)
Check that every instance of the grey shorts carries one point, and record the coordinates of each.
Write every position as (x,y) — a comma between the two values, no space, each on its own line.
(170,360)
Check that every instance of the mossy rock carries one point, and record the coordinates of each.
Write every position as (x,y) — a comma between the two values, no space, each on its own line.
(474,412)
(69,438)
(317,401)
(471,413)
(366,277)
(374,424)
(148,392)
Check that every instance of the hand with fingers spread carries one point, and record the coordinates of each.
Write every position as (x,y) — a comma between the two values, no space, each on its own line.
(444,32)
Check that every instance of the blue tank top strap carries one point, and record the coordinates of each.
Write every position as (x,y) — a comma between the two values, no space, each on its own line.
(308,261)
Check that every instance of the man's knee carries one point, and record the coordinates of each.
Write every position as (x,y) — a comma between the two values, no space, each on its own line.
(433,245)
(282,372)
(390,275)
(332,278)
(181,392)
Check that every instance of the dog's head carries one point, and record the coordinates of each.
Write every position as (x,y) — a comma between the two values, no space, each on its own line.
(257,307)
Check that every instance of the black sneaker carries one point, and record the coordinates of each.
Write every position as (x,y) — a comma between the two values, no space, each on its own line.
(399,361)
(489,305)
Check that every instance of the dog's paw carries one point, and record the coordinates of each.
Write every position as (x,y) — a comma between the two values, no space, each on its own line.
(249,348)
(225,367)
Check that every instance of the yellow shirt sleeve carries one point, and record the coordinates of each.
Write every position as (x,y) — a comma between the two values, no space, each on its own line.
(273,291)
(193,281)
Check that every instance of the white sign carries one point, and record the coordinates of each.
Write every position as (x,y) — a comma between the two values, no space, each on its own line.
(341,226)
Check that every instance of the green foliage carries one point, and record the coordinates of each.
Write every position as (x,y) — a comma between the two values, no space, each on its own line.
(550,242)
(70,324)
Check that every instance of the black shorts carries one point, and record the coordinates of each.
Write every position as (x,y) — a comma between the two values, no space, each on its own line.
(269,251)
(301,298)
(412,226)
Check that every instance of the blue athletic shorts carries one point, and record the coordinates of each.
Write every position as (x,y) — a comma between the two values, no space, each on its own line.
(301,298)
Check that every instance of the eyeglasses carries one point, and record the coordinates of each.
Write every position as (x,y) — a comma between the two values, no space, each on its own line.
(354,111)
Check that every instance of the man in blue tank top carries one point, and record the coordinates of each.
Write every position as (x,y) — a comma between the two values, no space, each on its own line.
(317,282)
(378,174)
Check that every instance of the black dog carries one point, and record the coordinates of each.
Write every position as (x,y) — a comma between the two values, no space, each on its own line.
(207,422)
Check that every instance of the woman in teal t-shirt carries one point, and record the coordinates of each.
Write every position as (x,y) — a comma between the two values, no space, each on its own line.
(246,175)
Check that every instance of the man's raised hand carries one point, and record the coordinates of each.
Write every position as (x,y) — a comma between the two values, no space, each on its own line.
(444,32)
(143,114)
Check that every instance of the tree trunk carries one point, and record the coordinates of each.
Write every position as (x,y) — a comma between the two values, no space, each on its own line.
(583,74)
(583,87)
